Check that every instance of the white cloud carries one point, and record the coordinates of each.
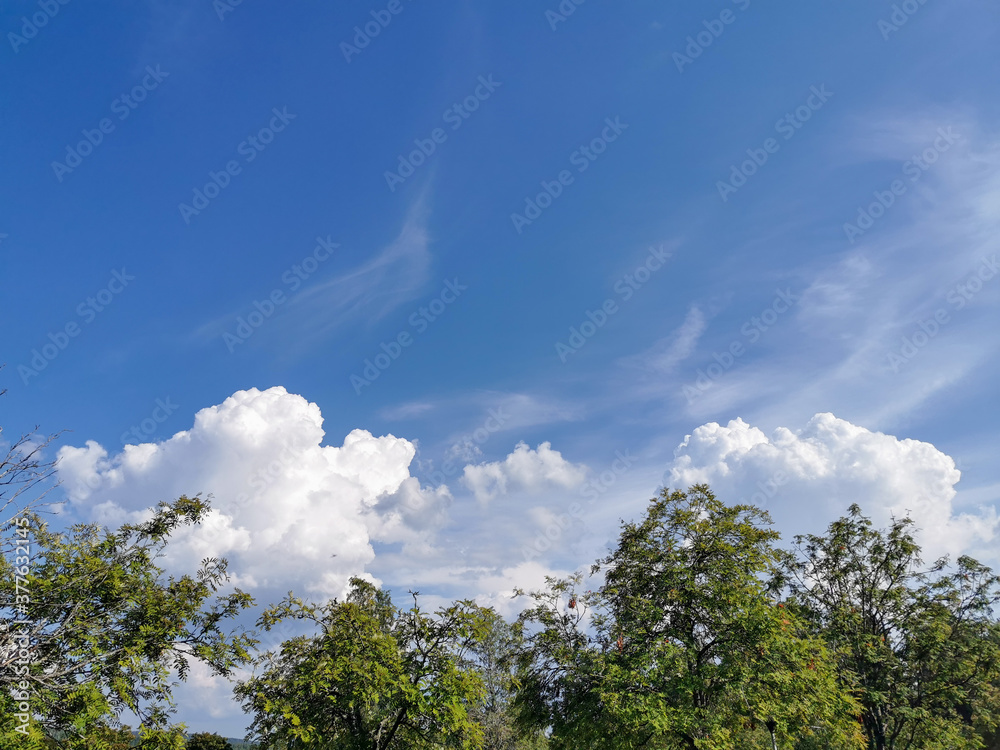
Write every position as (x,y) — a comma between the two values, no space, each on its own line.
(810,476)
(524,469)
(210,693)
(288,511)
(500,585)
(504,412)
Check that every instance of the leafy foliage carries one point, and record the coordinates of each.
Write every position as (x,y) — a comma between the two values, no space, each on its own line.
(494,657)
(698,633)
(105,627)
(919,646)
(374,677)
(681,646)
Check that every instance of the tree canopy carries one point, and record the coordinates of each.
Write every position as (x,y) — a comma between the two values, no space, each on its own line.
(374,676)
(102,628)
(696,631)
(681,646)
(917,645)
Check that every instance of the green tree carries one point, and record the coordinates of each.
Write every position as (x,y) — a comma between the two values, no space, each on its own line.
(681,646)
(989,721)
(110,738)
(374,677)
(207,741)
(105,628)
(917,644)
(495,657)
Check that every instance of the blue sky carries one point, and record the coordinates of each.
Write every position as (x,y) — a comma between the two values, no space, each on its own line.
(744,213)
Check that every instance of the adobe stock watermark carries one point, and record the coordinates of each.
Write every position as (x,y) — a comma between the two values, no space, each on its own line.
(625,287)
(364,34)
(914,168)
(419,320)
(88,311)
(146,429)
(582,158)
(266,475)
(592,491)
(455,116)
(786,127)
(292,278)
(450,468)
(121,106)
(19,654)
(562,12)
(553,532)
(222,7)
(900,16)
(714,28)
(604,481)
(766,489)
(49,9)
(958,296)
(249,149)
(753,329)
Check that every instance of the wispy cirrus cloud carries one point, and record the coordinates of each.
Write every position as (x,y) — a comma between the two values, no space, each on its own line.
(847,344)
(319,306)
(395,276)
(665,355)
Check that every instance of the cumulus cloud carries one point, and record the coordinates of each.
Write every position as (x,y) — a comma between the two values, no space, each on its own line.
(523,470)
(501,584)
(287,511)
(810,476)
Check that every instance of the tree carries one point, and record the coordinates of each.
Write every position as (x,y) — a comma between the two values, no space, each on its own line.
(23,479)
(918,645)
(375,676)
(206,741)
(494,658)
(989,722)
(681,646)
(98,629)
(24,476)
(110,738)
